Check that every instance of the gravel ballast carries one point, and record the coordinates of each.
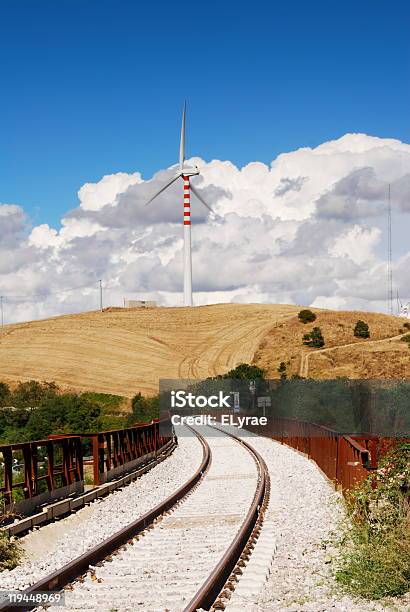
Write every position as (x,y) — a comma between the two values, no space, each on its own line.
(305,514)
(302,523)
(54,545)
(163,570)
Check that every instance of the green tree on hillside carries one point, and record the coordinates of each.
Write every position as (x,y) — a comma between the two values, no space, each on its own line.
(68,413)
(282,370)
(306,316)
(314,338)
(246,371)
(35,410)
(406,338)
(4,394)
(144,409)
(30,393)
(361,330)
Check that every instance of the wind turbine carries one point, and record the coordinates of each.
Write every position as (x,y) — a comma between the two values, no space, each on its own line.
(185,172)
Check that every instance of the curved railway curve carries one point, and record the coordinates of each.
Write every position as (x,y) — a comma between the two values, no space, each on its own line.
(183,554)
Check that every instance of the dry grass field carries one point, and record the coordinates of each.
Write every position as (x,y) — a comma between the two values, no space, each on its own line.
(123,351)
(383,355)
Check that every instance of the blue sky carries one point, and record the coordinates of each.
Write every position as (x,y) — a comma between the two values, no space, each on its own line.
(95,87)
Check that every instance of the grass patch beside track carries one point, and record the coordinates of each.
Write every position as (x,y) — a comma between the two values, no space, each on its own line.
(10,552)
(375,552)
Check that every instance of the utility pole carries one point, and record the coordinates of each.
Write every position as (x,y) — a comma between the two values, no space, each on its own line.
(1,305)
(101,300)
(390,258)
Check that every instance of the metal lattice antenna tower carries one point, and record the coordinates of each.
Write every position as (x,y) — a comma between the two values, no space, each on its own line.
(389,258)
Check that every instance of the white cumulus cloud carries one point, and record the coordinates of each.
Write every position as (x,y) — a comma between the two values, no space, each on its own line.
(94,196)
(307,229)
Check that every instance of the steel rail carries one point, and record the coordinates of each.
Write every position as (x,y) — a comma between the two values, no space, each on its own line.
(79,566)
(208,593)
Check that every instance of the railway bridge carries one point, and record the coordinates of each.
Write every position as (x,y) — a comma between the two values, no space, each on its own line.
(160,518)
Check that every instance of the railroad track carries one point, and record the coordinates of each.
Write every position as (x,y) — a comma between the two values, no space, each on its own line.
(186,553)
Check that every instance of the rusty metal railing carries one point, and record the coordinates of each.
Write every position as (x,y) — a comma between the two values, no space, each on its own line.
(341,458)
(74,569)
(37,468)
(40,471)
(117,451)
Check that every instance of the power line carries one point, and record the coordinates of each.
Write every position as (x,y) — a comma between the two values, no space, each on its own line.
(389,257)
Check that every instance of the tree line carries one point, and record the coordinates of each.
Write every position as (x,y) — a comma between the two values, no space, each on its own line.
(34,410)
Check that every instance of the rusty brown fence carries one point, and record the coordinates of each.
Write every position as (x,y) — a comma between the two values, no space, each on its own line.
(37,472)
(40,469)
(341,458)
(346,460)
(117,451)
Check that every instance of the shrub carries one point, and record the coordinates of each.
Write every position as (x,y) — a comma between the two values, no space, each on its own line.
(38,409)
(306,316)
(112,421)
(112,407)
(68,413)
(314,338)
(406,325)
(377,568)
(375,560)
(282,370)
(245,371)
(108,402)
(144,409)
(406,338)
(29,394)
(10,552)
(4,394)
(361,330)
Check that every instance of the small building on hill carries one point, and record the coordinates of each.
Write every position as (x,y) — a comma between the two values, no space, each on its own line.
(139,303)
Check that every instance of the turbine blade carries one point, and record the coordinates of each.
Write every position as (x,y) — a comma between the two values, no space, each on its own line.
(200,198)
(167,184)
(182,141)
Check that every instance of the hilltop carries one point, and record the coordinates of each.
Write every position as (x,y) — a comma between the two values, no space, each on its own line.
(383,355)
(122,351)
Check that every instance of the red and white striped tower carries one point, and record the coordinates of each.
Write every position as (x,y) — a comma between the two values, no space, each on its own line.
(187,243)
(185,172)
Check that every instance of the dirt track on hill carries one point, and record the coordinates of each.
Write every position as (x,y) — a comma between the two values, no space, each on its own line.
(383,355)
(123,351)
